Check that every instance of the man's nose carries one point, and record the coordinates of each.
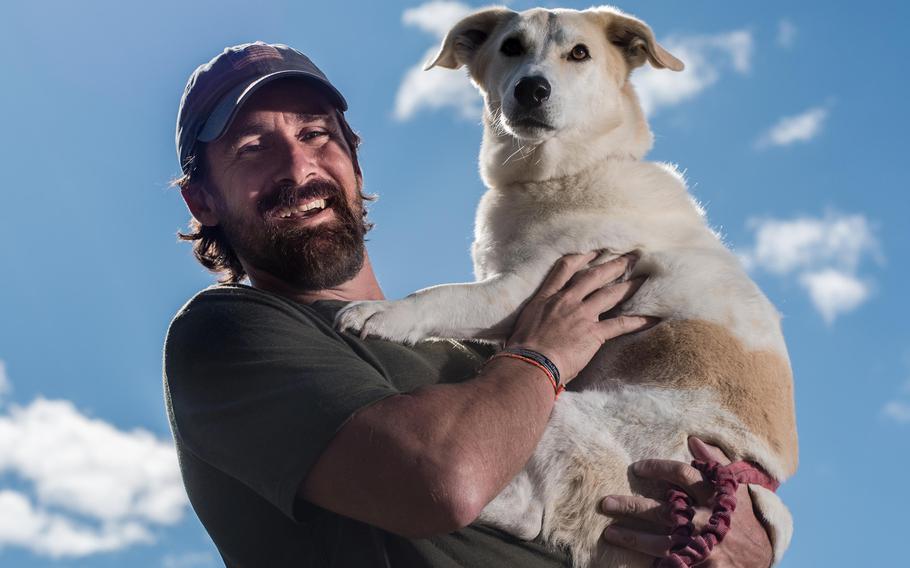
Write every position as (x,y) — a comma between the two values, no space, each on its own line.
(298,163)
(531,92)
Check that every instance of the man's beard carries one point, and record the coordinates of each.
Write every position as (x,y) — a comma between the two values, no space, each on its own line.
(307,258)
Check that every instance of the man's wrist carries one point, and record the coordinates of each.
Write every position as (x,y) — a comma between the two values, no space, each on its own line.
(530,377)
(538,360)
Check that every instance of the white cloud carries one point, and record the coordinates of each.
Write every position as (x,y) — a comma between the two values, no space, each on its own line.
(706,57)
(437,88)
(436,17)
(786,34)
(95,488)
(823,253)
(898,411)
(834,292)
(57,535)
(791,129)
(788,245)
(5,385)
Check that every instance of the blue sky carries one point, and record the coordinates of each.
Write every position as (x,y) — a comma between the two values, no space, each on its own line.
(790,124)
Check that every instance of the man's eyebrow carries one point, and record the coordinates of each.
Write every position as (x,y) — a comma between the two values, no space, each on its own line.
(257,127)
(247,129)
(315,117)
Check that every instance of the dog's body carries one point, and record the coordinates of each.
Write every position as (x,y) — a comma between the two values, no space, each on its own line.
(562,163)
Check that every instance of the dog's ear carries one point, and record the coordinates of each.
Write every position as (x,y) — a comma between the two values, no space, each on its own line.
(636,42)
(466,37)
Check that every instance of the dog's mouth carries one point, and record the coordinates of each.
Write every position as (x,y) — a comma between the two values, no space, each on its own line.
(531,123)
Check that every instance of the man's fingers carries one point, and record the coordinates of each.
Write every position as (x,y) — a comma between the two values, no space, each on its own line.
(562,272)
(651,544)
(589,280)
(621,325)
(649,510)
(609,296)
(676,473)
(706,452)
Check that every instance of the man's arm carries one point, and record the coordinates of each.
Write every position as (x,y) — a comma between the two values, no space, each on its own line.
(428,462)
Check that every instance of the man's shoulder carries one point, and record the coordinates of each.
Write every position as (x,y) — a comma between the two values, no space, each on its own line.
(226,310)
(241,301)
(232,296)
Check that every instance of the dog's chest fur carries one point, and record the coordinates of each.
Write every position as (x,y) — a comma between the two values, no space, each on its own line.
(641,203)
(623,205)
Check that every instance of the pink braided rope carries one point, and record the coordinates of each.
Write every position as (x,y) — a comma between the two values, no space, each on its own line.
(688,548)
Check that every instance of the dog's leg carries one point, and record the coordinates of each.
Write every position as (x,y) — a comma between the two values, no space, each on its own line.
(484,309)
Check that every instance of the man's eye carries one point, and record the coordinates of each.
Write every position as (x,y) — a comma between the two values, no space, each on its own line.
(314,134)
(249,149)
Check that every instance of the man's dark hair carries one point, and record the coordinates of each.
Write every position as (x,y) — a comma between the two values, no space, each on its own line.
(210,246)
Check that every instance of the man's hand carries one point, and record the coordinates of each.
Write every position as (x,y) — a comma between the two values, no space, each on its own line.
(563,318)
(745,546)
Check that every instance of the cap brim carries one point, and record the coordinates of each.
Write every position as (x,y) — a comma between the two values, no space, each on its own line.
(224,112)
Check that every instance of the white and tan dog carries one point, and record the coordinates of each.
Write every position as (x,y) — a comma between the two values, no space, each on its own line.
(563,140)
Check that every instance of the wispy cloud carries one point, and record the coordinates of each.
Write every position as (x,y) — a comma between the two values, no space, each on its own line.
(791,129)
(707,58)
(5,386)
(89,486)
(787,245)
(898,409)
(834,292)
(436,17)
(786,33)
(824,254)
(436,88)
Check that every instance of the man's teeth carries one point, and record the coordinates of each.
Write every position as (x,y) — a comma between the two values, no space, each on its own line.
(302,208)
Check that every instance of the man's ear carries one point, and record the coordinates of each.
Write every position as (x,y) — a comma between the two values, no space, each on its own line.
(465,38)
(636,41)
(200,203)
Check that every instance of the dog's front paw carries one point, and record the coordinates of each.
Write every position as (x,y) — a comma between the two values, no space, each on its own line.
(394,321)
(354,316)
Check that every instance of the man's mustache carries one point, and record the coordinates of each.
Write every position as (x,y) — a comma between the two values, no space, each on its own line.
(289,196)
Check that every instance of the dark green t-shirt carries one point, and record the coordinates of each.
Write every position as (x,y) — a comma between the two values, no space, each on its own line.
(256,386)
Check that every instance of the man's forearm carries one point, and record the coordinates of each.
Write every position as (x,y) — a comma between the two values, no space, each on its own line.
(429,461)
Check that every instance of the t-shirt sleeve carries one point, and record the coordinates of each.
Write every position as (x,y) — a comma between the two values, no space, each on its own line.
(258,388)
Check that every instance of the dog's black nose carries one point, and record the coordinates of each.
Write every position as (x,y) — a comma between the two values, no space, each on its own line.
(532,91)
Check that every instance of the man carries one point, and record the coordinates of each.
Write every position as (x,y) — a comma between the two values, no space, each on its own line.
(301,446)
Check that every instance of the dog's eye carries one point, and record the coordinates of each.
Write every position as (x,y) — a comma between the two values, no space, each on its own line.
(579,53)
(511,47)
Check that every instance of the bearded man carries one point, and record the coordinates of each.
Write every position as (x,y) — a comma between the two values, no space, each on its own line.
(303,446)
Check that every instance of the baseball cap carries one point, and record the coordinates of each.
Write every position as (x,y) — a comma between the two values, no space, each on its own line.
(217,89)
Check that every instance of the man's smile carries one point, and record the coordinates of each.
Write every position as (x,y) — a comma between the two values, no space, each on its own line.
(309,209)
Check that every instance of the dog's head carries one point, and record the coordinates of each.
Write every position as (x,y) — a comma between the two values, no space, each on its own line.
(557,74)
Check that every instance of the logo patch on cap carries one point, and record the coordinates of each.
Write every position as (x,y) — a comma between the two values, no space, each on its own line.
(254,53)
